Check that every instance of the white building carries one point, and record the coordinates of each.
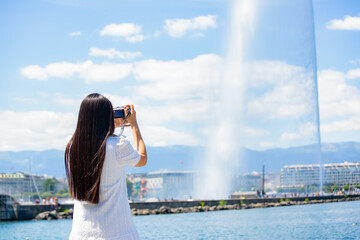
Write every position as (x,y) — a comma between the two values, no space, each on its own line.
(170,184)
(19,183)
(253,181)
(333,174)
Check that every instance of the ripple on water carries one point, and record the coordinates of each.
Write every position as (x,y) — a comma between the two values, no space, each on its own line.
(319,221)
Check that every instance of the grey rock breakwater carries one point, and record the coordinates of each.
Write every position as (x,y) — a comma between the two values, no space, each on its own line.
(52,215)
(174,207)
(237,206)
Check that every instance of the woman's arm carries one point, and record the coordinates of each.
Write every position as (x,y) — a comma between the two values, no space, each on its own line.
(138,141)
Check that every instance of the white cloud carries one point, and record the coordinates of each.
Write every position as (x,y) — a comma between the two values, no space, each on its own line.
(35,130)
(178,79)
(184,92)
(74,34)
(90,72)
(267,145)
(350,124)
(135,38)
(337,99)
(353,73)
(306,132)
(130,31)
(106,72)
(288,90)
(300,135)
(34,72)
(59,99)
(179,27)
(339,105)
(271,73)
(112,53)
(255,132)
(187,111)
(162,136)
(348,23)
(118,101)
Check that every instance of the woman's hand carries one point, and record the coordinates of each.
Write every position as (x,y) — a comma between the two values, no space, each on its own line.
(131,121)
(138,140)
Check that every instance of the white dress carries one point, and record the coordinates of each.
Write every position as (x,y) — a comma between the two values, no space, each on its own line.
(111,218)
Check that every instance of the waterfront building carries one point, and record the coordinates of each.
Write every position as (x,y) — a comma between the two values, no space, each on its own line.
(333,174)
(253,181)
(61,183)
(167,184)
(248,181)
(139,188)
(19,183)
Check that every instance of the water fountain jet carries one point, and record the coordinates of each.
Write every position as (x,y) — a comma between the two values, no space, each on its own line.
(268,92)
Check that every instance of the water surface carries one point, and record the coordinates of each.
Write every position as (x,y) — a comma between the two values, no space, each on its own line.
(319,221)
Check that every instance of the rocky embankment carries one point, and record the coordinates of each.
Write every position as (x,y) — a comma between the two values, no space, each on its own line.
(241,205)
(222,205)
(55,214)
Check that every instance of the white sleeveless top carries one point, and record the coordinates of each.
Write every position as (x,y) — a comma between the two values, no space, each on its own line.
(111,218)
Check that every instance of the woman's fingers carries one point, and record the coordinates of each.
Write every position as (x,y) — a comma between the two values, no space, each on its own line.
(129,106)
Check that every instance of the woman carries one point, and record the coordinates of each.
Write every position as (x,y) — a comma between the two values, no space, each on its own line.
(95,162)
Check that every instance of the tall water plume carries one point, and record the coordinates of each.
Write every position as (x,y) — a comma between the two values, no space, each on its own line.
(267,97)
(224,142)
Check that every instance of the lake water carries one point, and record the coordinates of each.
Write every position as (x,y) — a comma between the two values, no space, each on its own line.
(320,221)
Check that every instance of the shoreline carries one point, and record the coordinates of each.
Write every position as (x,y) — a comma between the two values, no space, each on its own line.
(47,212)
(244,204)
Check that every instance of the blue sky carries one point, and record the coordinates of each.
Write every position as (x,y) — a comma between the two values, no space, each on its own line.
(164,57)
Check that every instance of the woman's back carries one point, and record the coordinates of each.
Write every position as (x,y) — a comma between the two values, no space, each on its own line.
(95,168)
(111,217)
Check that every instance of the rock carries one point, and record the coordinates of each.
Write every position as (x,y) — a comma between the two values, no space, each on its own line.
(180,210)
(142,211)
(219,208)
(258,205)
(246,206)
(206,208)
(213,208)
(164,209)
(42,216)
(185,210)
(71,211)
(62,215)
(146,212)
(194,209)
(52,215)
(155,211)
(175,210)
(134,211)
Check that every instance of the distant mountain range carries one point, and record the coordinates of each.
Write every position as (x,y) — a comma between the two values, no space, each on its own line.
(51,162)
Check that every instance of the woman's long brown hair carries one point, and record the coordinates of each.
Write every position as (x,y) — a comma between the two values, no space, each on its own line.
(85,152)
